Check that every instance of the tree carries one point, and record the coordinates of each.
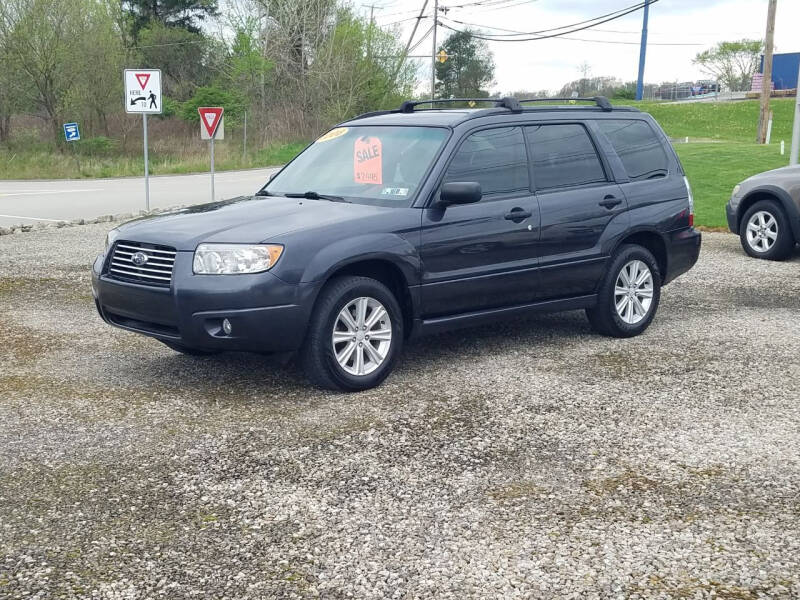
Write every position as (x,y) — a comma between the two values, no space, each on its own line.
(97,64)
(354,69)
(183,14)
(231,100)
(45,40)
(182,56)
(732,64)
(326,64)
(468,70)
(591,86)
(14,88)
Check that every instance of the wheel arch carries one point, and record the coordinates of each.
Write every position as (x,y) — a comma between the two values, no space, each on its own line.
(770,192)
(381,268)
(654,242)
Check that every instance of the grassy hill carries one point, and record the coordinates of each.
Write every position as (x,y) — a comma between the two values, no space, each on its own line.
(728,121)
(721,150)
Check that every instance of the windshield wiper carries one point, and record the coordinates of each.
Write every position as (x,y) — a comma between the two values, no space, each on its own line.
(315,196)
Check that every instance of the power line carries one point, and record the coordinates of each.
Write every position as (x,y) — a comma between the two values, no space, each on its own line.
(481,3)
(564,37)
(595,20)
(509,5)
(404,21)
(536,34)
(422,39)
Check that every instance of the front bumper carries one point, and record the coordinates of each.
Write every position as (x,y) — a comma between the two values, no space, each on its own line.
(266,313)
(682,252)
(730,215)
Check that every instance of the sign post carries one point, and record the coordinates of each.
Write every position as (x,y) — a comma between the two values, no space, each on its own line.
(73,134)
(795,151)
(143,96)
(211,127)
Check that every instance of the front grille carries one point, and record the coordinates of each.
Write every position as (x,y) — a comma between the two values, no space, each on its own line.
(156,270)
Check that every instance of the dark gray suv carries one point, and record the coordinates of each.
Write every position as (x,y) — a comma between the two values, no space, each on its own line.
(408,222)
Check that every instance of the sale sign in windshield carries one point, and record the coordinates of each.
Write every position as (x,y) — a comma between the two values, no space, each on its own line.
(367,162)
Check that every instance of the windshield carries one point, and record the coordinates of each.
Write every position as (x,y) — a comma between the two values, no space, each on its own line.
(372,165)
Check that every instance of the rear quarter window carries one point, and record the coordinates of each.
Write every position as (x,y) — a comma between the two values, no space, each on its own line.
(638,147)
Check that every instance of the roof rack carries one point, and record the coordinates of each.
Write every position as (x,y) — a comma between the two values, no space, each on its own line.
(511,104)
(600,101)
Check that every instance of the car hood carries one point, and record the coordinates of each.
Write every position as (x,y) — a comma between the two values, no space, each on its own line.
(778,175)
(249,219)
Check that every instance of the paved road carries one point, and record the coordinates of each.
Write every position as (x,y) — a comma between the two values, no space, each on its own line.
(27,202)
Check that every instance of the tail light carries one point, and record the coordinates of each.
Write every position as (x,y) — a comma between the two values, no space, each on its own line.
(691,201)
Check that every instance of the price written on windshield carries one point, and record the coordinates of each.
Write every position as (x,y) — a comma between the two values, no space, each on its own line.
(367,160)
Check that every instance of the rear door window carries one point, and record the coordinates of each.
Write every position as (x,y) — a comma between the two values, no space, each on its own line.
(495,158)
(638,147)
(563,156)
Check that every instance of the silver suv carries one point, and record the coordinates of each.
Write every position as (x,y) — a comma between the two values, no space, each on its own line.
(765,211)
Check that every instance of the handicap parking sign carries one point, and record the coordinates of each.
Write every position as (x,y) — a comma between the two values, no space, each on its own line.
(71,132)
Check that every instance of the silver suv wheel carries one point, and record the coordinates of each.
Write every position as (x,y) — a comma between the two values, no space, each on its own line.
(633,292)
(362,336)
(762,231)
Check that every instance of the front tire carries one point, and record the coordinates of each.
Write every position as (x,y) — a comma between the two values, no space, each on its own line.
(765,231)
(629,295)
(354,337)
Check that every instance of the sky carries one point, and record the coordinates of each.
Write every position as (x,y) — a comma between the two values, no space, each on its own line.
(691,25)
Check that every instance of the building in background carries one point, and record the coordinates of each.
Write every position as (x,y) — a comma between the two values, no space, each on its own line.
(784,71)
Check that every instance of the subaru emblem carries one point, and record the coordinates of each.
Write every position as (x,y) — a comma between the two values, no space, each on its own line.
(139,259)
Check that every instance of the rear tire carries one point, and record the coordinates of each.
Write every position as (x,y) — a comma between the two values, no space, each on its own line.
(354,337)
(765,231)
(629,294)
(189,351)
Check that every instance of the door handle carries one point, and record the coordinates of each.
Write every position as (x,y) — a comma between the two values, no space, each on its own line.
(610,202)
(518,215)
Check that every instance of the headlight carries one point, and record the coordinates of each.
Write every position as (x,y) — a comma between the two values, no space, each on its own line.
(235,259)
(111,237)
(736,190)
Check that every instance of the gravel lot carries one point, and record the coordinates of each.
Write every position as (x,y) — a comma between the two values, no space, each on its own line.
(527,460)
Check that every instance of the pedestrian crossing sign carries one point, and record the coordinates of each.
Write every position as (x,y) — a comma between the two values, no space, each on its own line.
(143,91)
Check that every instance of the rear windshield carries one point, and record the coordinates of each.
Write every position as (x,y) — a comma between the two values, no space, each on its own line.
(638,147)
(381,165)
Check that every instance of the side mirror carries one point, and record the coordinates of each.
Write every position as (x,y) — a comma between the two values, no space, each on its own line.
(460,192)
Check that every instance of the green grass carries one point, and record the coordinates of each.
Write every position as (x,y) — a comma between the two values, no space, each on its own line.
(714,168)
(729,121)
(43,163)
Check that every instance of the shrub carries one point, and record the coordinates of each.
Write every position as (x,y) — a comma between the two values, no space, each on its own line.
(96,146)
(232,101)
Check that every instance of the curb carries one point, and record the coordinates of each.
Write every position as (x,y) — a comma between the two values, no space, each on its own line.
(103,219)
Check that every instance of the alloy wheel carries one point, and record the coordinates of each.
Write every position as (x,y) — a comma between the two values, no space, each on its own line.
(362,336)
(633,292)
(762,231)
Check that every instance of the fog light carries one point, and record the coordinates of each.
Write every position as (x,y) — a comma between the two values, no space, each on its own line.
(226,326)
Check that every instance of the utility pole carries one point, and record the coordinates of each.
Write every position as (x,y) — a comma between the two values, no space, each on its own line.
(433,49)
(642,52)
(404,55)
(766,83)
(372,8)
(794,155)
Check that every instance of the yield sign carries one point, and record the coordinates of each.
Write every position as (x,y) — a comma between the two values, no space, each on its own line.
(210,116)
(142,78)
